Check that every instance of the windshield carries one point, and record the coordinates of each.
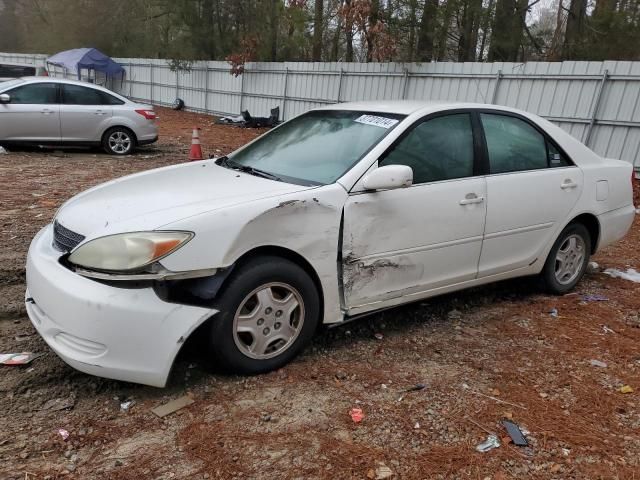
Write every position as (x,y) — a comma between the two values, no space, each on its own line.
(10,83)
(316,148)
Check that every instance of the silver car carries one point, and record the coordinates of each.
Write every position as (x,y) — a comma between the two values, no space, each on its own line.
(51,111)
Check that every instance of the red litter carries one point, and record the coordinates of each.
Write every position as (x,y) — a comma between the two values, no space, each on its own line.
(356,415)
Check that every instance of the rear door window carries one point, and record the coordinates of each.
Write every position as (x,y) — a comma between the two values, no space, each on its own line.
(34,94)
(514,145)
(79,95)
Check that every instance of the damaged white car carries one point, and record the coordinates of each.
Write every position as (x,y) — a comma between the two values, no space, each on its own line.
(339,212)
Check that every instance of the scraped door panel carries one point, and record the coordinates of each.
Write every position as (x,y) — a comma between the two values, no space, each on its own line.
(405,241)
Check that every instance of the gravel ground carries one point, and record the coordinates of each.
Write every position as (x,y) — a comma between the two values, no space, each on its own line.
(482,355)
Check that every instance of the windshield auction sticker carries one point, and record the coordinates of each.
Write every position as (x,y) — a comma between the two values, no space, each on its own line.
(377,121)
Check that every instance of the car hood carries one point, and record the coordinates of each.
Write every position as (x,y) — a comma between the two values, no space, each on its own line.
(149,200)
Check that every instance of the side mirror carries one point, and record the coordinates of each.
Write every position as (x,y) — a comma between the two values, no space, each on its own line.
(5,98)
(388,177)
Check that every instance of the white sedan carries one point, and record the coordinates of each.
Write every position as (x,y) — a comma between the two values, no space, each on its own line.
(339,212)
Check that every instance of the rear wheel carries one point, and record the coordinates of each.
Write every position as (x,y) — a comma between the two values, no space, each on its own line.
(269,311)
(118,141)
(568,259)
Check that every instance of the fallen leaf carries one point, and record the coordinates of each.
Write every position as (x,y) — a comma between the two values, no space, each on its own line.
(626,389)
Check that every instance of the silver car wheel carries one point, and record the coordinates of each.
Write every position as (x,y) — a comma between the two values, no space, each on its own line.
(570,259)
(268,320)
(119,142)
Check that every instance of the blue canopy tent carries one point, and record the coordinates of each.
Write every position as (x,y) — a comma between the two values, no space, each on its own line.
(88,59)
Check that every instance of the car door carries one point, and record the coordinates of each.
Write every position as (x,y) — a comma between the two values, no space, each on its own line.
(32,114)
(84,113)
(532,186)
(407,241)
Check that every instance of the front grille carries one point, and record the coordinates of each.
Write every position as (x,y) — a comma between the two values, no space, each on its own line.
(64,239)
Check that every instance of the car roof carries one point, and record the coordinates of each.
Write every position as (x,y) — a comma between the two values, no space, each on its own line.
(408,107)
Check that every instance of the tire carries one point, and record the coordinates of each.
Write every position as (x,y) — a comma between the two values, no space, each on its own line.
(118,141)
(575,241)
(178,104)
(253,333)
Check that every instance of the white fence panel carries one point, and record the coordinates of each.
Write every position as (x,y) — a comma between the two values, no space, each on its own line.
(596,102)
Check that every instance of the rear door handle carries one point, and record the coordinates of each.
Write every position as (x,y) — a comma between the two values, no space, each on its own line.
(568,183)
(471,198)
(46,111)
(100,112)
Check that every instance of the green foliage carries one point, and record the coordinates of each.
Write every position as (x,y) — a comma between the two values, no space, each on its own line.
(362,30)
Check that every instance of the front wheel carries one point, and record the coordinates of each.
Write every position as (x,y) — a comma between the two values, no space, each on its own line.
(568,259)
(269,310)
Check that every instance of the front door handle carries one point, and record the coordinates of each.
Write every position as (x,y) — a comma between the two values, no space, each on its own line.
(46,111)
(568,183)
(100,112)
(471,198)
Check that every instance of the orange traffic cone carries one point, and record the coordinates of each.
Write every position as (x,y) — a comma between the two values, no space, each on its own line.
(196,150)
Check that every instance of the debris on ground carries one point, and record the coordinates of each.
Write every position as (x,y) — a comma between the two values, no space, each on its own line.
(594,298)
(23,358)
(554,312)
(126,405)
(490,443)
(631,274)
(626,389)
(378,336)
(516,434)
(416,388)
(63,433)
(356,415)
(3,151)
(57,404)
(172,406)
(383,472)
(598,363)
(593,267)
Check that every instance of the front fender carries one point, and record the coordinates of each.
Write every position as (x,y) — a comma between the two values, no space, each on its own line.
(306,222)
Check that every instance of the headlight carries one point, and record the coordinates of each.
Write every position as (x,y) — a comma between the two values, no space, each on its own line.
(128,251)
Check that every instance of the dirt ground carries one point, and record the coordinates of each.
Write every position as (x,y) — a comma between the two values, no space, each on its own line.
(482,355)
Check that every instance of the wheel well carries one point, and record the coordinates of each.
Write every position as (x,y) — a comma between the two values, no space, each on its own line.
(289,255)
(133,134)
(592,225)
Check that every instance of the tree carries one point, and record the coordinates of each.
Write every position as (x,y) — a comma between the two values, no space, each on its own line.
(317,31)
(426,34)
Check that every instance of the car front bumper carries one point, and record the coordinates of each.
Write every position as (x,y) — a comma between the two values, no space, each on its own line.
(120,333)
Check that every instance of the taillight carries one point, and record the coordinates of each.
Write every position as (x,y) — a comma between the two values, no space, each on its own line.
(148,114)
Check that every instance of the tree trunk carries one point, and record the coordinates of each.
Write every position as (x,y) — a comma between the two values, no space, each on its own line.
(413,6)
(468,39)
(574,33)
(273,29)
(317,31)
(427,32)
(373,20)
(506,32)
(486,21)
(349,34)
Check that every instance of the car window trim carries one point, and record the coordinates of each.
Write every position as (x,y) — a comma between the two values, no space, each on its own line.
(477,164)
(546,137)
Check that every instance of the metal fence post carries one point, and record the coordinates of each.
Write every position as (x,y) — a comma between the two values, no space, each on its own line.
(206,88)
(244,72)
(177,82)
(494,96)
(151,83)
(596,105)
(405,83)
(284,93)
(340,85)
